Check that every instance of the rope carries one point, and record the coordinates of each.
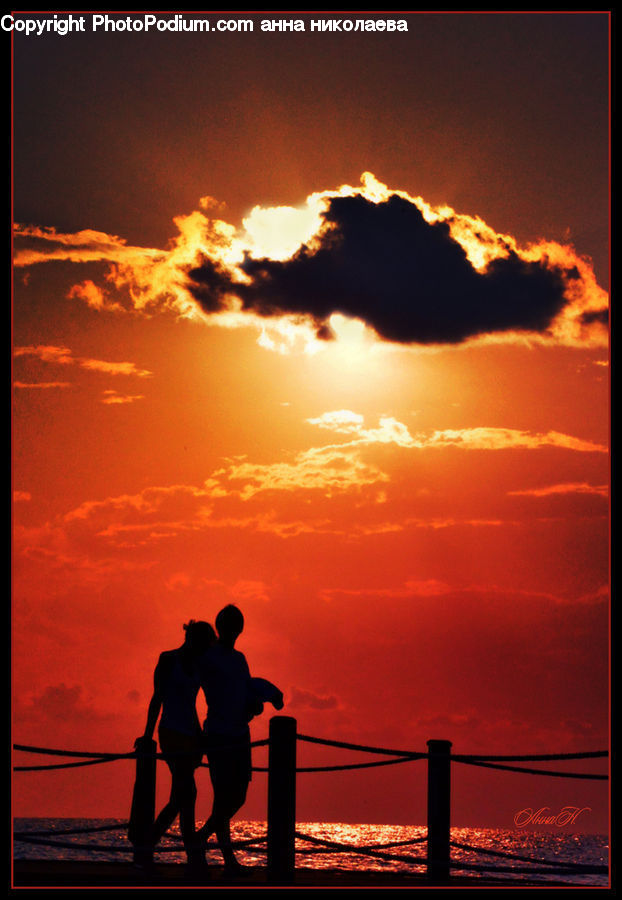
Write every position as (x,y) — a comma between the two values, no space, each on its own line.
(593,870)
(336,847)
(329,847)
(557,867)
(548,862)
(487,765)
(86,762)
(95,762)
(112,848)
(408,754)
(248,842)
(303,769)
(29,838)
(107,755)
(533,756)
(333,847)
(95,758)
(383,762)
(122,826)
(404,753)
(314,840)
(86,754)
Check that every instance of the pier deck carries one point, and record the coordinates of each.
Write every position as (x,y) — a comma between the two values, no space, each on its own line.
(66,873)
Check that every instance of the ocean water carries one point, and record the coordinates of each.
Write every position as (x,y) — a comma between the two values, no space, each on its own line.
(106,839)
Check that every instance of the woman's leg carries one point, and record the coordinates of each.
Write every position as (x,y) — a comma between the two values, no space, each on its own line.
(168,813)
(185,790)
(182,755)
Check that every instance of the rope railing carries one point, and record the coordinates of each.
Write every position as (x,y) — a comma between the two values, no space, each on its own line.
(73,765)
(533,757)
(403,756)
(41,837)
(89,754)
(88,829)
(311,839)
(26,838)
(371,850)
(329,846)
(324,846)
(530,859)
(282,836)
(409,754)
(549,772)
(357,850)
(370,765)
(406,755)
(94,759)
(532,870)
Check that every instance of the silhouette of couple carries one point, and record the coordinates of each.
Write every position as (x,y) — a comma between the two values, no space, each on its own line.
(233,698)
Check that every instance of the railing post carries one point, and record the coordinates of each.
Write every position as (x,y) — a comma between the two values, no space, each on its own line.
(143,802)
(438,808)
(282,798)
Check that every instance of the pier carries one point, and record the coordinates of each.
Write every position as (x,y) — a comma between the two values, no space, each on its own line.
(285,846)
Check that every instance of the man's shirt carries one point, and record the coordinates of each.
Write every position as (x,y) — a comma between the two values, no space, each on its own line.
(226,682)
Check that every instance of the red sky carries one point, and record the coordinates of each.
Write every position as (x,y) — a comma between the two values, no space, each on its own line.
(416,529)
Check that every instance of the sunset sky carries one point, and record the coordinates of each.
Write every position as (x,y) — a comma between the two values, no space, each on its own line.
(315,322)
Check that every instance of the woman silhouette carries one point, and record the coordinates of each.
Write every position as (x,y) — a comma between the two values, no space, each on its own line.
(175,687)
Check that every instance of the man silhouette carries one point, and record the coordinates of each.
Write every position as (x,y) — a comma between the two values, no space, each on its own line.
(226,682)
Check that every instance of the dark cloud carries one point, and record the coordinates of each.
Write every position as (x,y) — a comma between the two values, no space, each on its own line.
(301,698)
(406,278)
(60,703)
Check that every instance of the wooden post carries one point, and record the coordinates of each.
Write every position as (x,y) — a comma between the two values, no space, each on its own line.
(282,798)
(438,808)
(143,802)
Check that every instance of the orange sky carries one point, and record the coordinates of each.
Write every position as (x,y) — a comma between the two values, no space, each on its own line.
(416,530)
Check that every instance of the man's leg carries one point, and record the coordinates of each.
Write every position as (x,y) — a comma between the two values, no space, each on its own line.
(230,783)
(229,802)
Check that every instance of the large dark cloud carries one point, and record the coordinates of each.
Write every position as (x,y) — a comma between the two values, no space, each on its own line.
(406,278)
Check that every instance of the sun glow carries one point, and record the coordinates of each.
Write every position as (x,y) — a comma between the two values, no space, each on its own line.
(355,357)
(277,232)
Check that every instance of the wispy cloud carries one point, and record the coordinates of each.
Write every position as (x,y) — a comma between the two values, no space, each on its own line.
(574,487)
(239,496)
(327,469)
(344,421)
(94,296)
(41,385)
(42,244)
(64,356)
(111,397)
(508,438)
(390,430)
(414,588)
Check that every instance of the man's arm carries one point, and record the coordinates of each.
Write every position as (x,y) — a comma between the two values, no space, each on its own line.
(267,692)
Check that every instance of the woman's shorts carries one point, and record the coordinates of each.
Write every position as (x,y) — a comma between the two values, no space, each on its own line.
(180,749)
